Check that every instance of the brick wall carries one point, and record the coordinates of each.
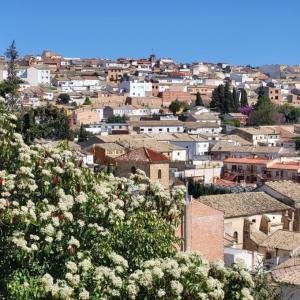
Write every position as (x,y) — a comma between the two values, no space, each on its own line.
(144,101)
(205,231)
(169,96)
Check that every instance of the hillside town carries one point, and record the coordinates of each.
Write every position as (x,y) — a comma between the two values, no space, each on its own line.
(229,133)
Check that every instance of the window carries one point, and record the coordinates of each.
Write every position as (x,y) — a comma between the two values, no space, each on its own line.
(268,255)
(133,169)
(159,174)
(236,236)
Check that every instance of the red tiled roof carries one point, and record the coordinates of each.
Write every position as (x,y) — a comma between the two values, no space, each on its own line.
(292,165)
(143,154)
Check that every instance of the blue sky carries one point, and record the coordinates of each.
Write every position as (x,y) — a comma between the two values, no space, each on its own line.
(234,31)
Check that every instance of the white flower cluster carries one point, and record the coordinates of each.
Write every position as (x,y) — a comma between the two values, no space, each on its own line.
(67,215)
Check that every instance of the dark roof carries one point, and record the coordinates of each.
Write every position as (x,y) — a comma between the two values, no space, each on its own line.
(143,154)
(90,142)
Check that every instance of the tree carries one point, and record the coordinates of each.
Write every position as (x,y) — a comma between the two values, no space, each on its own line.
(64,98)
(144,228)
(244,97)
(175,106)
(246,110)
(184,106)
(83,134)
(197,189)
(235,105)
(215,100)
(291,114)
(223,100)
(87,101)
(260,92)
(58,227)
(264,113)
(199,101)
(117,119)
(227,100)
(47,122)
(9,87)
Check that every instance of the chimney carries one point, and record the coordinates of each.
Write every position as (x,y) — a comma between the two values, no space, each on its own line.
(287,221)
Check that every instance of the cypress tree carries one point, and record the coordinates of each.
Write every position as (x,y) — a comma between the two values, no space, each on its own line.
(199,101)
(9,87)
(83,135)
(235,101)
(244,97)
(215,100)
(228,103)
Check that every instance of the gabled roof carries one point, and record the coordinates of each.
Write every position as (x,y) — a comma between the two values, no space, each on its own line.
(223,146)
(143,154)
(282,239)
(110,146)
(286,188)
(244,204)
(288,272)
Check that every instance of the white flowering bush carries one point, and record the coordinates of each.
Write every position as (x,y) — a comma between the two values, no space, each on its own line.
(66,233)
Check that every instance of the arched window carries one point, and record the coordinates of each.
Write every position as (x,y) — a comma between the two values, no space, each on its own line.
(159,174)
(133,169)
(236,236)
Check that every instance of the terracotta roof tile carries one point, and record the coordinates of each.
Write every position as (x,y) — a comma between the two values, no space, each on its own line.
(248,160)
(282,239)
(143,154)
(243,204)
(286,188)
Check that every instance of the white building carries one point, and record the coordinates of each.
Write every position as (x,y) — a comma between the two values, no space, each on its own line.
(240,77)
(77,84)
(37,75)
(158,126)
(48,96)
(203,172)
(195,146)
(212,81)
(136,88)
(129,111)
(199,68)
(250,259)
(3,74)
(205,128)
